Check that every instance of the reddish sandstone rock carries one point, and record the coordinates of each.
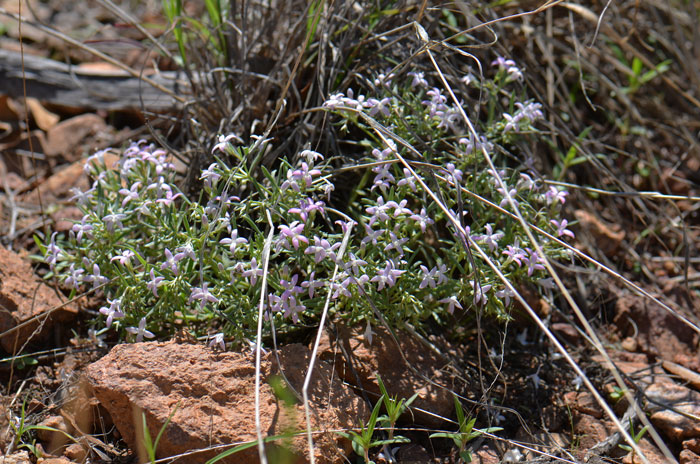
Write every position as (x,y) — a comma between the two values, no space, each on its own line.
(658,332)
(214,393)
(26,298)
(401,377)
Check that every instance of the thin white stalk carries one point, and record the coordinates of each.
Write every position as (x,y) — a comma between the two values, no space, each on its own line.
(309,373)
(258,339)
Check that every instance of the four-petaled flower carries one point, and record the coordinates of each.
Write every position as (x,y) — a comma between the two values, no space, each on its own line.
(480,292)
(217,341)
(141,331)
(154,283)
(233,241)
(490,238)
(96,278)
(554,194)
(451,302)
(294,233)
(170,262)
(224,142)
(387,276)
(210,176)
(113,312)
(203,295)
(561,228)
(429,276)
(130,194)
(253,273)
(114,219)
(124,257)
(82,228)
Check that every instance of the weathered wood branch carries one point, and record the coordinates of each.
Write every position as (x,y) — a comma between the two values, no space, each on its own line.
(59,83)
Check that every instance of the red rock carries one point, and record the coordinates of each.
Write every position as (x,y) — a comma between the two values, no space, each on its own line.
(26,298)
(677,427)
(692,445)
(658,332)
(214,393)
(400,378)
(66,138)
(688,457)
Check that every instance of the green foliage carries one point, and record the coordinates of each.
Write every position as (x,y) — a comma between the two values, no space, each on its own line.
(465,432)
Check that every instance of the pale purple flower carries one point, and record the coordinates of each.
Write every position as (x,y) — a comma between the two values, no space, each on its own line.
(334,101)
(345,225)
(217,341)
(409,179)
(253,273)
(53,252)
(291,287)
(451,302)
(514,74)
(75,277)
(307,206)
(384,178)
(533,261)
(395,244)
(430,276)
(322,248)
(312,284)
(170,262)
(233,241)
(561,228)
(294,234)
(224,142)
(554,194)
(418,81)
(372,236)
(382,155)
(387,276)
(203,295)
(292,308)
(124,257)
(113,312)
(502,63)
(505,294)
(436,102)
(341,286)
(489,238)
(83,198)
(512,122)
(525,182)
(530,110)
(481,144)
(96,277)
(183,251)
(504,202)
(384,80)
(480,292)
(168,199)
(379,212)
(422,219)
(379,106)
(141,331)
(82,228)
(112,220)
(154,283)
(449,118)
(131,193)
(515,254)
(304,174)
(210,176)
(355,264)
(399,208)
(455,175)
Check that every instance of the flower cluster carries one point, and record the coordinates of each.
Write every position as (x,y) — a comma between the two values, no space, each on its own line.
(163,259)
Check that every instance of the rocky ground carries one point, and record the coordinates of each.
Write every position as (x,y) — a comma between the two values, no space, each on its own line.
(56,373)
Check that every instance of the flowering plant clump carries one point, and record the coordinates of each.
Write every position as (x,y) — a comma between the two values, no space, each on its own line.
(166,260)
